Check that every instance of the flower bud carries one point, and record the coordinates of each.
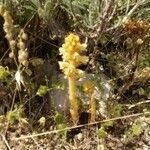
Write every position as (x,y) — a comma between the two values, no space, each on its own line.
(25,63)
(21,45)
(23,55)
(24,36)
(139,41)
(12,44)
(11,55)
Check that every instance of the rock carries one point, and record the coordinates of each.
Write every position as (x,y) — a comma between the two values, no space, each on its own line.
(59,94)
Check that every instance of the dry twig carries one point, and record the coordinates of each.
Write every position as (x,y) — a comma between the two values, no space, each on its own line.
(79,126)
(5,141)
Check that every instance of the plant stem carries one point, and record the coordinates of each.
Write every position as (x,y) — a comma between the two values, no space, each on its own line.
(73,100)
(93,107)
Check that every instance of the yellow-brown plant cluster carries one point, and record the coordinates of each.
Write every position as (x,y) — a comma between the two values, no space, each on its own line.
(137,30)
(22,37)
(8,28)
(71,54)
(22,53)
(136,27)
(144,74)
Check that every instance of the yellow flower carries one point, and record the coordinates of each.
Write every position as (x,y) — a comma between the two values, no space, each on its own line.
(61,51)
(70,52)
(78,59)
(88,87)
(72,44)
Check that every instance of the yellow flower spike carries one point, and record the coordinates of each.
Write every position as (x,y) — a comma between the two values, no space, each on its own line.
(80,73)
(70,52)
(78,59)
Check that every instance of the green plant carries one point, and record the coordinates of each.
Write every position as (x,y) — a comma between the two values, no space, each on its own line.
(134,131)
(42,90)
(16,115)
(102,132)
(4,73)
(84,13)
(60,123)
(114,109)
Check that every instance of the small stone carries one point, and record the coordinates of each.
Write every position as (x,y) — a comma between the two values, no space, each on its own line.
(79,136)
(139,41)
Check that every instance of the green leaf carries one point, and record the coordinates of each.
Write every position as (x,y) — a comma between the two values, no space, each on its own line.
(42,90)
(61,127)
(107,124)
(102,133)
(59,118)
(3,73)
(15,115)
(136,129)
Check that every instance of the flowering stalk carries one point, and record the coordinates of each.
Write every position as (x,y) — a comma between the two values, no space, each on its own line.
(8,28)
(89,90)
(70,52)
(73,99)
(93,108)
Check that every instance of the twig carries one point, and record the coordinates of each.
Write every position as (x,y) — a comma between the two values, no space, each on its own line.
(139,3)
(5,141)
(107,12)
(139,103)
(4,54)
(79,126)
(42,39)
(127,7)
(37,144)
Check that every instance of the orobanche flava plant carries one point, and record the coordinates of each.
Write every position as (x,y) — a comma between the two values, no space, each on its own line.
(89,90)
(71,54)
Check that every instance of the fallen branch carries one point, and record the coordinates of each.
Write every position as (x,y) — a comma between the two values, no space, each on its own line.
(6,142)
(79,126)
(139,103)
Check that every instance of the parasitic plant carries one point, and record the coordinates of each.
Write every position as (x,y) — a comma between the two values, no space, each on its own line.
(89,90)
(71,54)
